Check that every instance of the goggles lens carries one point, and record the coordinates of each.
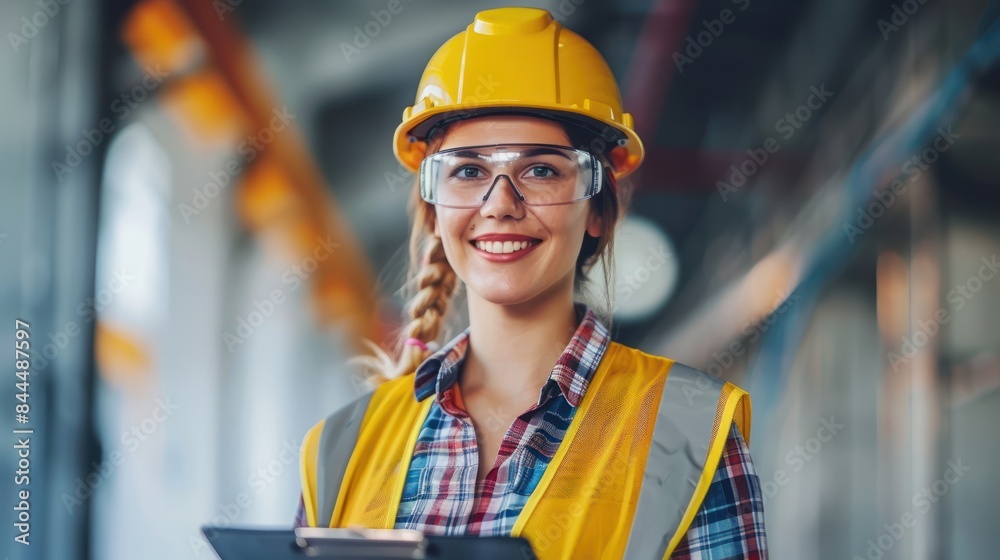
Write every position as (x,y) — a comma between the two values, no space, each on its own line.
(541,174)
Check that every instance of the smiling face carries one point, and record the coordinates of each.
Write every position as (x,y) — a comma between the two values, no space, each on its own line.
(479,242)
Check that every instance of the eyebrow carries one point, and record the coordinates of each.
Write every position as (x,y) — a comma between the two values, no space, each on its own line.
(536,151)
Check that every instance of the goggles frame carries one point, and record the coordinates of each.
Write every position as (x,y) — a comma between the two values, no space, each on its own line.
(596,183)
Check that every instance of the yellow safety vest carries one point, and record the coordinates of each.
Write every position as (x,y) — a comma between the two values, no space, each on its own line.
(626,481)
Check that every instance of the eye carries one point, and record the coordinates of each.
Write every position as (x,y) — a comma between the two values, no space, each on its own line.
(467,172)
(542,171)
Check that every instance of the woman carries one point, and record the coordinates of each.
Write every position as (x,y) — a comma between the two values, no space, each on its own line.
(519,139)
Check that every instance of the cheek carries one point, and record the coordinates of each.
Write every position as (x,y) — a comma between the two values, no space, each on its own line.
(567,226)
(444,222)
(451,228)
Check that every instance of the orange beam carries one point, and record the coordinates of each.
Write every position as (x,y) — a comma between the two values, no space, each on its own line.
(344,284)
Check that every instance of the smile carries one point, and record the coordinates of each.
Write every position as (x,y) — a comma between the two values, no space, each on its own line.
(505,251)
(503,247)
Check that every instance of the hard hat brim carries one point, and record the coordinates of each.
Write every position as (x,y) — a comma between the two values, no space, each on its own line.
(620,142)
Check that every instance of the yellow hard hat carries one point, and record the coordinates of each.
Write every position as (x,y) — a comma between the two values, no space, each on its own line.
(519,60)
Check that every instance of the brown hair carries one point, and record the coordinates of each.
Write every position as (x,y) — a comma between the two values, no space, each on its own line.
(436,282)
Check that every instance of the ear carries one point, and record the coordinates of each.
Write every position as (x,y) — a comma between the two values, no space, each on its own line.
(595,222)
(437,229)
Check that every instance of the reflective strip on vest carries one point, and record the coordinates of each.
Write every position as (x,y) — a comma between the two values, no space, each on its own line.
(340,433)
(676,460)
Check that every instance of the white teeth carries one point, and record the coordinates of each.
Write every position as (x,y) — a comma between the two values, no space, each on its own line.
(503,247)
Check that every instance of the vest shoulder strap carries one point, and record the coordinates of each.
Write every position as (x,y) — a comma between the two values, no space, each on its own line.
(326,451)
(692,425)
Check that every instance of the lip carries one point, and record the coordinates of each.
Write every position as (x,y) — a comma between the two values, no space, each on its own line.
(504,257)
(501,237)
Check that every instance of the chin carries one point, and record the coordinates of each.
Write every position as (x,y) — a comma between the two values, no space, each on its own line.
(512,295)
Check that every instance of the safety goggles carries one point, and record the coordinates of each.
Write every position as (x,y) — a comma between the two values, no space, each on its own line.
(540,174)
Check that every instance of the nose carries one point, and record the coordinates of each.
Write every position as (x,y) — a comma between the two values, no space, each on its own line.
(501,202)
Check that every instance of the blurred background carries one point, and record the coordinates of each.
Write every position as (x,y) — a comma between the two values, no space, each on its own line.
(201,216)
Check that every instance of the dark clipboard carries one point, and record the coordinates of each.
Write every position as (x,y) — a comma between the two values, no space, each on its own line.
(246,543)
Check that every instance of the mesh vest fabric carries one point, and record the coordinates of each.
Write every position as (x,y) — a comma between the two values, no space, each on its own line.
(586,501)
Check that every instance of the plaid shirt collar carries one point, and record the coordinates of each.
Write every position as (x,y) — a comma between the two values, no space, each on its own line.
(570,376)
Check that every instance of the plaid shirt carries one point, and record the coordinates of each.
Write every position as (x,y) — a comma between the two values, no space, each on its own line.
(439,494)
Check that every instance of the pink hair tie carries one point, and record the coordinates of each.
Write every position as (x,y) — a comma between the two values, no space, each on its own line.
(416,342)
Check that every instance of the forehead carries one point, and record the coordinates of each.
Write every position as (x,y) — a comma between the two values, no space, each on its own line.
(503,129)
